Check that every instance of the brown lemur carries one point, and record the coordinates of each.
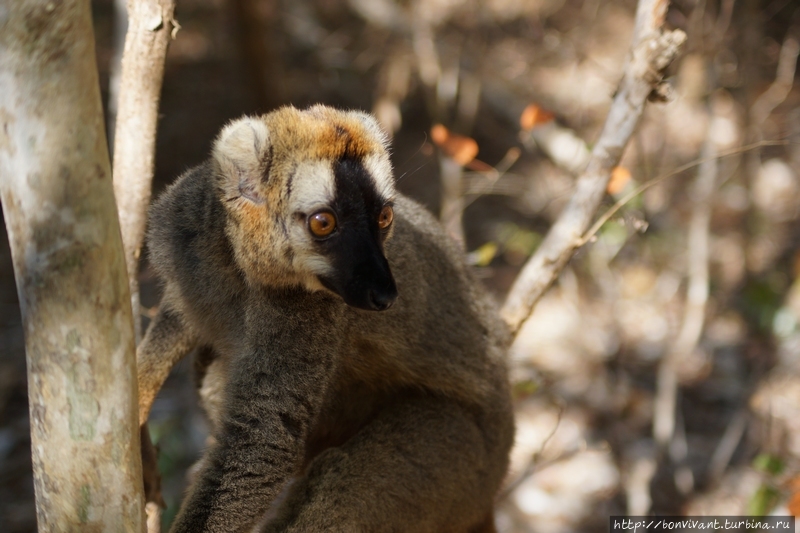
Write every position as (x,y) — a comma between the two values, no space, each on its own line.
(349,361)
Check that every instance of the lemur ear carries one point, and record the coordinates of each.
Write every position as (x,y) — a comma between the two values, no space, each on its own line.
(242,152)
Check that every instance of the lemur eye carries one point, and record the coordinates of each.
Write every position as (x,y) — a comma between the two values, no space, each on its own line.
(386,217)
(322,224)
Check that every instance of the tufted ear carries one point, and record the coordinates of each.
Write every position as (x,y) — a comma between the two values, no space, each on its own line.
(243,154)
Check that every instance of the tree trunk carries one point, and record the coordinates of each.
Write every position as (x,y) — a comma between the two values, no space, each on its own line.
(57,194)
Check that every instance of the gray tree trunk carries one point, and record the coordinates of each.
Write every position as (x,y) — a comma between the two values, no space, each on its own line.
(58,202)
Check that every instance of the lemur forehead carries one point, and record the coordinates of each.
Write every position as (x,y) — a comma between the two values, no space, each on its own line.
(324,133)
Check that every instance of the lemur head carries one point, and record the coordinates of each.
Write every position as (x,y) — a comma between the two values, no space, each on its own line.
(309,197)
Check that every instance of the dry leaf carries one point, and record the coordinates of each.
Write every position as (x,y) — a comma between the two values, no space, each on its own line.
(533,116)
(459,148)
(794,504)
(620,177)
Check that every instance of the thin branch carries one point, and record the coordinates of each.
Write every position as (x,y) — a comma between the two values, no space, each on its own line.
(562,145)
(150,25)
(775,94)
(728,443)
(115,68)
(452,210)
(696,296)
(653,49)
(153,513)
(534,465)
(605,217)
(779,89)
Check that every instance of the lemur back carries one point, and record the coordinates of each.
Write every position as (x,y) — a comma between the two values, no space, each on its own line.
(346,345)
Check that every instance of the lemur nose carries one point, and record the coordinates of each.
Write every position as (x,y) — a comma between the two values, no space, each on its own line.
(382,300)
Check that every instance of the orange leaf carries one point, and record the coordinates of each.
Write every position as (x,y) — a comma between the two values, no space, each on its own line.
(794,504)
(459,148)
(620,177)
(533,116)
(439,134)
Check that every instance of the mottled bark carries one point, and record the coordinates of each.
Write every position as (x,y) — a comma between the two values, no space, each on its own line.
(57,194)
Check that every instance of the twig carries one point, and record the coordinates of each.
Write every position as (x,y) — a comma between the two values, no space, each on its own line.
(115,68)
(638,477)
(452,177)
(562,145)
(394,81)
(153,514)
(779,89)
(534,466)
(653,49)
(776,93)
(727,445)
(605,217)
(683,477)
(496,180)
(696,295)
(150,25)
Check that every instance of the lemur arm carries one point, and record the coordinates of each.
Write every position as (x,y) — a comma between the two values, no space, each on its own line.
(274,393)
(167,341)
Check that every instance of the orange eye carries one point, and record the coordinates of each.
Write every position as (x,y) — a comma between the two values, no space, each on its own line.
(322,224)
(386,217)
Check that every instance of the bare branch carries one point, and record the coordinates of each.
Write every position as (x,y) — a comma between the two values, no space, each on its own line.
(534,465)
(696,296)
(779,89)
(150,28)
(561,145)
(619,204)
(452,210)
(727,445)
(652,51)
(150,25)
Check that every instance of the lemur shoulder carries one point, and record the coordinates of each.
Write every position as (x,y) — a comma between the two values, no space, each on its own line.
(348,359)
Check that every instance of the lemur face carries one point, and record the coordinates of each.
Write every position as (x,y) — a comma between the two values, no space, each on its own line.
(309,194)
(347,232)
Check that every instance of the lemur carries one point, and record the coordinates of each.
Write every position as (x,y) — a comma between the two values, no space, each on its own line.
(349,362)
